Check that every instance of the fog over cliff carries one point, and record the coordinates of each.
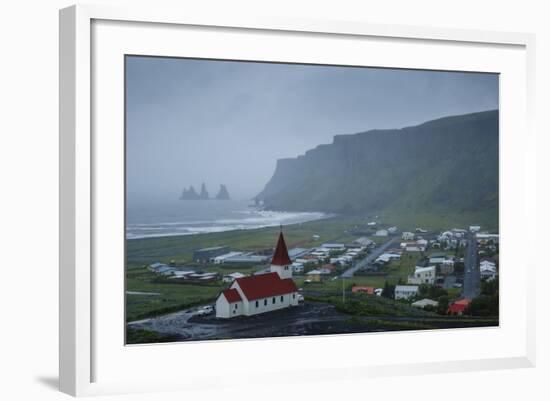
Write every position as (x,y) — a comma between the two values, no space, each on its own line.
(194,121)
(449,165)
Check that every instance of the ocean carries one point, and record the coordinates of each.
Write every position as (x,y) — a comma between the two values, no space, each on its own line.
(198,217)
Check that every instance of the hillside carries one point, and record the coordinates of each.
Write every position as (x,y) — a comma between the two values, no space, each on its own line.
(448,165)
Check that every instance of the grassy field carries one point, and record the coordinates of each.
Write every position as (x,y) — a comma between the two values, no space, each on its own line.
(173,297)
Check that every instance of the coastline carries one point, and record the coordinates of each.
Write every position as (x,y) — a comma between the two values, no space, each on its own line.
(235,220)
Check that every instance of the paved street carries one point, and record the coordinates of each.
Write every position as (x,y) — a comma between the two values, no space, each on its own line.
(369,258)
(472,276)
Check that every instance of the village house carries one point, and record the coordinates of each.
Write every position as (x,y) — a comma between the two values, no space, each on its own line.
(487,269)
(437,258)
(447,266)
(246,258)
(222,258)
(317,274)
(458,307)
(415,248)
(425,302)
(361,289)
(296,253)
(381,233)
(422,242)
(162,269)
(229,278)
(334,247)
(407,236)
(262,293)
(297,267)
(423,275)
(204,255)
(405,291)
(363,241)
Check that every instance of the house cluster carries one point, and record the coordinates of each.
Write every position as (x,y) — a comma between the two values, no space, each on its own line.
(181,273)
(385,232)
(386,257)
(487,269)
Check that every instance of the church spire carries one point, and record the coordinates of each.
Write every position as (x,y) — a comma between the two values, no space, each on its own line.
(280,257)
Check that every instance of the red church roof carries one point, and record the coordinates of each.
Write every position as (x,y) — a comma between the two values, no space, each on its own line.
(232,295)
(265,285)
(280,257)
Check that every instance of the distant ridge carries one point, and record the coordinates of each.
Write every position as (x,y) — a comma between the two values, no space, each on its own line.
(447,165)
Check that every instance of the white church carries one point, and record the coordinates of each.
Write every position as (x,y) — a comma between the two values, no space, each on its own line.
(262,293)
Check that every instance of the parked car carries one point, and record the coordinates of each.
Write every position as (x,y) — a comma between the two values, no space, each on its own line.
(205,310)
(457,285)
(300,298)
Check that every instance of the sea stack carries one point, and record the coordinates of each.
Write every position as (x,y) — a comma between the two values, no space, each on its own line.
(189,194)
(223,194)
(204,192)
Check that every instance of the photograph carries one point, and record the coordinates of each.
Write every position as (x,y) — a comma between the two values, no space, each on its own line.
(270,199)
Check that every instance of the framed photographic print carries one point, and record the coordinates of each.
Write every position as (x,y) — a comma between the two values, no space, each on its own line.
(233,189)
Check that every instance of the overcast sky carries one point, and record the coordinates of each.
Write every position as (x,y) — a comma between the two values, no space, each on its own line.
(223,122)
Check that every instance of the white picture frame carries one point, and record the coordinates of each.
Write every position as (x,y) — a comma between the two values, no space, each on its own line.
(81,347)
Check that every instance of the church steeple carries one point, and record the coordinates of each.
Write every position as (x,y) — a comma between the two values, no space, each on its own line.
(281,262)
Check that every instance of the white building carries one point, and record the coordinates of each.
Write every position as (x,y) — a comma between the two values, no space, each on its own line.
(437,258)
(297,267)
(229,278)
(381,233)
(407,236)
(487,270)
(415,248)
(392,230)
(262,293)
(487,236)
(222,258)
(424,302)
(475,229)
(447,266)
(423,275)
(333,246)
(363,241)
(405,291)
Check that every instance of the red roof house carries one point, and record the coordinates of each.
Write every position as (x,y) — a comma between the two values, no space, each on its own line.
(366,290)
(458,307)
